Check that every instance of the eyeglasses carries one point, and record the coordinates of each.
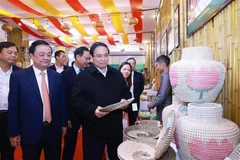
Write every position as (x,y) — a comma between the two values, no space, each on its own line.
(99,56)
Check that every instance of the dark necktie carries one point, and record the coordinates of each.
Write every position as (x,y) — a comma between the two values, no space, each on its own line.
(81,69)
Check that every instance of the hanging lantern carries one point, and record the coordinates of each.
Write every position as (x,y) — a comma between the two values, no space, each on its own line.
(66,26)
(133,21)
(41,28)
(7,27)
(99,24)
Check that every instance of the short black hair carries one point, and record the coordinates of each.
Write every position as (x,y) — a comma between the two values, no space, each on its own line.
(7,45)
(164,59)
(95,45)
(131,58)
(79,51)
(57,53)
(36,43)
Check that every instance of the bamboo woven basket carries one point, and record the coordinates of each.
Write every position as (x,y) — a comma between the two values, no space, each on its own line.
(197,77)
(154,123)
(204,134)
(142,131)
(148,148)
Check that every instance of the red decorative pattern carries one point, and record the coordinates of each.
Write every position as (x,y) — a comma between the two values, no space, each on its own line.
(211,150)
(57,24)
(139,37)
(25,28)
(110,40)
(136,5)
(24,7)
(173,76)
(83,40)
(195,77)
(79,8)
(58,41)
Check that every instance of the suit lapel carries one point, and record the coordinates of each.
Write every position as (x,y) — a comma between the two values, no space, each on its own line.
(33,81)
(135,77)
(50,82)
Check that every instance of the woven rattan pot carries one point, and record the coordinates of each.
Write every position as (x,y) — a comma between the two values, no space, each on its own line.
(149,148)
(204,134)
(141,131)
(177,106)
(197,77)
(235,155)
(145,146)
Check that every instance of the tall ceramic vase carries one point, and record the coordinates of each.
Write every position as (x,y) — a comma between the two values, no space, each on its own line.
(204,134)
(197,77)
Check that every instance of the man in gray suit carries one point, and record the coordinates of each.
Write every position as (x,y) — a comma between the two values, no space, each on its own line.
(164,96)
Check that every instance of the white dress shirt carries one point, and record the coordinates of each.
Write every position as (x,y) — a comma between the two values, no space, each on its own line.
(59,69)
(103,73)
(132,86)
(38,75)
(4,88)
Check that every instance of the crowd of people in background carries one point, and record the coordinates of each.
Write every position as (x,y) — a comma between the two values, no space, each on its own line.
(41,103)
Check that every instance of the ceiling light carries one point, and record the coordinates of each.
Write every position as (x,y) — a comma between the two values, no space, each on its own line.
(108,19)
(125,17)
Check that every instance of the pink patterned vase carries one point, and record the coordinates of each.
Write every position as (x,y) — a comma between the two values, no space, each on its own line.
(179,108)
(197,77)
(204,134)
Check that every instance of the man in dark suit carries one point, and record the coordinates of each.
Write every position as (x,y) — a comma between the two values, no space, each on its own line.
(82,59)
(36,115)
(98,86)
(8,55)
(136,90)
(60,59)
(164,95)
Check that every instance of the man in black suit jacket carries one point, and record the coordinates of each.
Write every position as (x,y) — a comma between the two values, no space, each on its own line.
(136,90)
(36,113)
(82,59)
(98,86)
(60,58)
(8,55)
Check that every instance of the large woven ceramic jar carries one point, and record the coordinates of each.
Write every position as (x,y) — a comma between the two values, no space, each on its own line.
(197,77)
(204,134)
(177,106)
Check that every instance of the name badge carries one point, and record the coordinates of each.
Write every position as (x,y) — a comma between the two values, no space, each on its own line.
(134,107)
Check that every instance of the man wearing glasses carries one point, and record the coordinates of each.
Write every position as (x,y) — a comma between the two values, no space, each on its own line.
(96,87)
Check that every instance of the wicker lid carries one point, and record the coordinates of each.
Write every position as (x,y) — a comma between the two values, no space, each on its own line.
(117,105)
(148,148)
(154,123)
(142,149)
(142,131)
